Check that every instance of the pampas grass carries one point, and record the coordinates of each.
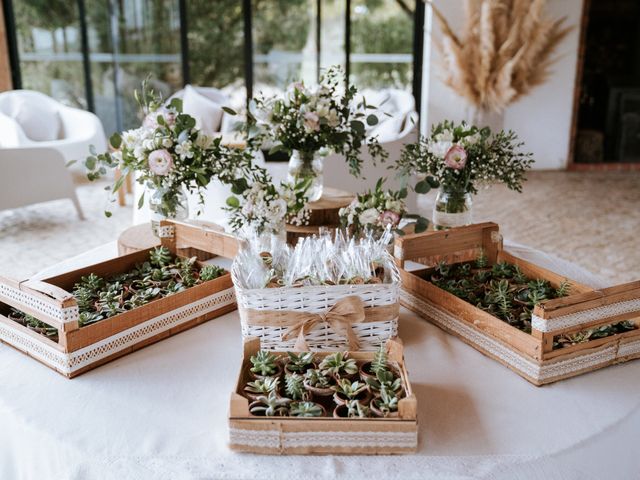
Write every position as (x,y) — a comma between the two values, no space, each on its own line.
(505,50)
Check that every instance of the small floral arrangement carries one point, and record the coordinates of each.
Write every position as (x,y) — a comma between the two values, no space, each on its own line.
(377,210)
(460,157)
(262,207)
(169,155)
(310,119)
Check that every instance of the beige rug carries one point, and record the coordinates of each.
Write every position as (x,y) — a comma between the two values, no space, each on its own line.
(592,219)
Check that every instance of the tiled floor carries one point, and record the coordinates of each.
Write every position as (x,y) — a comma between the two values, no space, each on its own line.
(590,218)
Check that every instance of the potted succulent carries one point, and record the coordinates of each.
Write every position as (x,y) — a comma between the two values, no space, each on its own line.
(352,409)
(294,387)
(318,384)
(265,364)
(307,409)
(299,362)
(385,380)
(346,391)
(339,365)
(369,370)
(270,406)
(262,387)
(386,405)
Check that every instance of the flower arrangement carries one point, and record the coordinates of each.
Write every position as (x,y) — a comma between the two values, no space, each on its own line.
(169,155)
(264,208)
(378,209)
(458,158)
(306,121)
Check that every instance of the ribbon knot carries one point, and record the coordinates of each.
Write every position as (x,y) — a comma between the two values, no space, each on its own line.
(339,317)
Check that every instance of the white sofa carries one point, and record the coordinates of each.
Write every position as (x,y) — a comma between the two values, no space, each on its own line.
(33,175)
(32,119)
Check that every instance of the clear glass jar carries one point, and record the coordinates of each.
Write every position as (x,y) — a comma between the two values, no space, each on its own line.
(167,205)
(452,208)
(307,166)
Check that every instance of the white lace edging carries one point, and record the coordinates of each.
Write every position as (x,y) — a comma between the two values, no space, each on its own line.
(280,440)
(47,308)
(68,363)
(585,316)
(539,371)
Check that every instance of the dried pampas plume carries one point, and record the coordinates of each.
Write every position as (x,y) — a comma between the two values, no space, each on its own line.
(505,50)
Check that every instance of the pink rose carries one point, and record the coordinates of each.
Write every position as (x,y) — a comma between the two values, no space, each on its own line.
(160,162)
(389,218)
(312,121)
(456,157)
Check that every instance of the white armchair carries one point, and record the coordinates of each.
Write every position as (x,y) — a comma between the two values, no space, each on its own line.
(32,119)
(33,175)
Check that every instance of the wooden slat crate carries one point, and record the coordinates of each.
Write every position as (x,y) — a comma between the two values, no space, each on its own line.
(81,349)
(530,355)
(323,435)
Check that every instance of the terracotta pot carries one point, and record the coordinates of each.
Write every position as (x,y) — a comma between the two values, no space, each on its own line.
(364,396)
(378,413)
(277,373)
(364,373)
(320,392)
(338,409)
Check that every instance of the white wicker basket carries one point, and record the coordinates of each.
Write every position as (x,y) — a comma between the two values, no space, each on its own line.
(318,299)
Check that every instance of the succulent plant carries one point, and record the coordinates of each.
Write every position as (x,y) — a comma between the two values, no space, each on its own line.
(271,406)
(443,269)
(482,261)
(263,386)
(563,289)
(385,380)
(305,409)
(299,362)
(294,386)
(387,402)
(518,276)
(160,256)
(315,378)
(355,409)
(502,270)
(338,364)
(264,363)
(379,362)
(34,324)
(348,389)
(211,272)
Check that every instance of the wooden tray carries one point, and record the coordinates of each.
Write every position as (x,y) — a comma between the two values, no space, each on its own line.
(323,435)
(81,349)
(530,355)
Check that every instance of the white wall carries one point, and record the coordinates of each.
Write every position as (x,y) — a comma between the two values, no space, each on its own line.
(543,118)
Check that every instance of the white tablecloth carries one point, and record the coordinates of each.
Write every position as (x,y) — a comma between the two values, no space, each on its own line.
(161,413)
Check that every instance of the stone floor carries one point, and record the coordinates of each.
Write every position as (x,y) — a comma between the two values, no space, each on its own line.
(592,219)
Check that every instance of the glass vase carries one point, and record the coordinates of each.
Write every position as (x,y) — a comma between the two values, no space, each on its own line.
(307,166)
(452,208)
(167,205)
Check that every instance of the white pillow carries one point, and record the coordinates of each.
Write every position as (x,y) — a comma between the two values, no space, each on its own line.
(40,122)
(388,130)
(208,114)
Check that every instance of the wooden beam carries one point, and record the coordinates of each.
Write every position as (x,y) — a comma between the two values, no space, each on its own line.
(5,62)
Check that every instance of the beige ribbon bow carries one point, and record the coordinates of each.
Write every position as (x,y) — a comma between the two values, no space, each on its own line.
(340,317)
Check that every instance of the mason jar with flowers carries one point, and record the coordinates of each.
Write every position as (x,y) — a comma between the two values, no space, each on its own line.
(378,210)
(169,156)
(459,159)
(310,122)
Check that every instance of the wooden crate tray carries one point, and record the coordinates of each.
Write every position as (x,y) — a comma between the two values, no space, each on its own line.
(530,355)
(81,349)
(323,435)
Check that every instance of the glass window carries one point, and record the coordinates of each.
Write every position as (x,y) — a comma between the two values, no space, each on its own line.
(49,48)
(284,43)
(382,43)
(333,33)
(216,46)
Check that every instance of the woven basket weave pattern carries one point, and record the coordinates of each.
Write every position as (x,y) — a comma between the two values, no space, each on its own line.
(316,299)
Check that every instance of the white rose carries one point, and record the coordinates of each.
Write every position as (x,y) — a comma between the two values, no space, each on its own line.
(167,143)
(445,136)
(472,139)
(370,215)
(203,141)
(439,149)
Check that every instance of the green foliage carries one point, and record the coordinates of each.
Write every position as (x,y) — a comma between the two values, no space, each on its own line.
(271,406)
(563,289)
(387,402)
(305,409)
(264,363)
(385,380)
(263,386)
(211,272)
(300,362)
(338,364)
(315,378)
(379,362)
(349,389)
(355,409)
(294,386)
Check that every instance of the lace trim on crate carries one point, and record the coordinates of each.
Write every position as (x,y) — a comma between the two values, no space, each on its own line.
(70,362)
(585,316)
(371,335)
(537,371)
(274,439)
(629,348)
(167,232)
(39,305)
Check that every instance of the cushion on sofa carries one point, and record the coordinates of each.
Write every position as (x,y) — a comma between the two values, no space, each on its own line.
(208,114)
(39,121)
